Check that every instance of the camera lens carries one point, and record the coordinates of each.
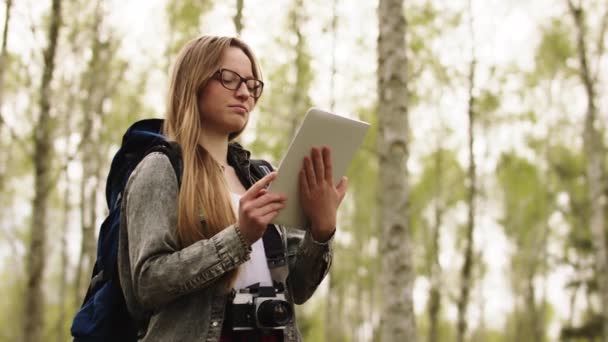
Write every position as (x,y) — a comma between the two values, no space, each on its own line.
(274,313)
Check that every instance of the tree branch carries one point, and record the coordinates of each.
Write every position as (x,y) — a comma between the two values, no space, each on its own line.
(600,44)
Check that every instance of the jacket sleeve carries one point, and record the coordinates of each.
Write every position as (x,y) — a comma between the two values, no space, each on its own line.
(160,270)
(309,262)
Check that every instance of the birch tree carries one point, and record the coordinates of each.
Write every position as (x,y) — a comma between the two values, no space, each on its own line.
(397,316)
(34,298)
(594,153)
(330,306)
(238,17)
(3,58)
(467,267)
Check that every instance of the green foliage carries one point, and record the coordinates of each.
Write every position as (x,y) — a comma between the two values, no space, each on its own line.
(440,187)
(524,197)
(427,24)
(554,50)
(309,322)
(569,181)
(184,17)
(487,102)
(519,322)
(11,305)
(286,97)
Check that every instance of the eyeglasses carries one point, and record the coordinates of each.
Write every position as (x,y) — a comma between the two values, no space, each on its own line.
(232,81)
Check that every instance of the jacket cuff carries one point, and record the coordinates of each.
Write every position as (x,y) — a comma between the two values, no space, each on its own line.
(313,248)
(231,247)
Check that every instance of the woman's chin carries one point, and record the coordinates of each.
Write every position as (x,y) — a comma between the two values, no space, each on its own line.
(236,129)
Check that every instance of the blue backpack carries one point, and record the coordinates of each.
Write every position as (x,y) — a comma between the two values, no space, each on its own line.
(103,315)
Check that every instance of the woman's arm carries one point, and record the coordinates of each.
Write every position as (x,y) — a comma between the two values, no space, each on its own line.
(160,270)
(309,262)
(320,200)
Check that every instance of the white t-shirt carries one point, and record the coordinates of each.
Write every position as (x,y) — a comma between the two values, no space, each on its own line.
(254,270)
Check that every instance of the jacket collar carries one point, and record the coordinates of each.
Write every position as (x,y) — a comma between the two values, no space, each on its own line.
(238,158)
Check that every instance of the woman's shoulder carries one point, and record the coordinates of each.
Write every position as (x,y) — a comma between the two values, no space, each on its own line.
(155,170)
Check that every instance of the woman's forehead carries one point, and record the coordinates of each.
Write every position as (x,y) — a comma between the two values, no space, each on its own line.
(236,60)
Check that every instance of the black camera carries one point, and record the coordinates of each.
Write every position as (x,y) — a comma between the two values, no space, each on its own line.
(262,307)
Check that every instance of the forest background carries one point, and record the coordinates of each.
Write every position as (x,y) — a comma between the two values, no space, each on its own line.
(477,204)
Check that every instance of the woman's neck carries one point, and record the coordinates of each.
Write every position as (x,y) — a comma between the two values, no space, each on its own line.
(216,145)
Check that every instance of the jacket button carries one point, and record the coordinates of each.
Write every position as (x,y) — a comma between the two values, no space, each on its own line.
(214,323)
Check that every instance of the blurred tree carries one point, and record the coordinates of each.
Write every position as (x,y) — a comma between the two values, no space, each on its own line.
(286,98)
(440,182)
(525,220)
(185,21)
(594,152)
(36,254)
(466,279)
(3,63)
(97,82)
(439,189)
(331,310)
(238,17)
(397,315)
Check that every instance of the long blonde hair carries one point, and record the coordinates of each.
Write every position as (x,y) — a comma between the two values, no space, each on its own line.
(203,189)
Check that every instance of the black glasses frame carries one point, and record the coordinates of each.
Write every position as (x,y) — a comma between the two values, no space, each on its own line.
(252,84)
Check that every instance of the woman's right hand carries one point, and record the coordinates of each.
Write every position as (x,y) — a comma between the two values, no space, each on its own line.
(257,207)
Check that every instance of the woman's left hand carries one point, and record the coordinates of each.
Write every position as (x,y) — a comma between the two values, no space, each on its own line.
(319,197)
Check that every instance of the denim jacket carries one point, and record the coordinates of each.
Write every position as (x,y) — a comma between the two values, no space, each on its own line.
(175,292)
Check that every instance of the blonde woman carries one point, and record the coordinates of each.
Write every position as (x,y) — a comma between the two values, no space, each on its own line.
(187,248)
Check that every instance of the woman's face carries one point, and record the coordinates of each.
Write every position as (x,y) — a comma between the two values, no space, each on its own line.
(224,111)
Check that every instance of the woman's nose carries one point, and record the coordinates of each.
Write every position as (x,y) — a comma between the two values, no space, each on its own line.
(242,91)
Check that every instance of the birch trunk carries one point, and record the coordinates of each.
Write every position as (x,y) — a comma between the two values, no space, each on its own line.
(594,165)
(3,55)
(94,83)
(238,17)
(397,315)
(435,291)
(466,278)
(63,285)
(299,91)
(36,253)
(330,312)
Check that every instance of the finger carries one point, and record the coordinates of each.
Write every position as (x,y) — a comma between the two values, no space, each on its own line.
(259,185)
(270,216)
(317,162)
(266,199)
(263,211)
(328,165)
(310,172)
(342,187)
(303,183)
(262,192)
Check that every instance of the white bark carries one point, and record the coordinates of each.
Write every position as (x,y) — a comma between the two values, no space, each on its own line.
(397,320)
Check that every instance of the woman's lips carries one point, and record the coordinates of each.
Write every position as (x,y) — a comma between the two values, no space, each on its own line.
(239,109)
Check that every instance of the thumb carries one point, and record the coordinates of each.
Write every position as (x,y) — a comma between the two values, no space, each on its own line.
(341,187)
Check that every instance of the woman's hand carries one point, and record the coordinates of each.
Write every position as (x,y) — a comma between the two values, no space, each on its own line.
(319,197)
(257,207)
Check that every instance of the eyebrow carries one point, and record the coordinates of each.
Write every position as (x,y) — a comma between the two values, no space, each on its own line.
(248,77)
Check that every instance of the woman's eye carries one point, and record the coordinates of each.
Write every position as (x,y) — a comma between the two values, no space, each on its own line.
(229,78)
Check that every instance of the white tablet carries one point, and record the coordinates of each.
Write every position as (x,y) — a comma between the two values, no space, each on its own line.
(341,134)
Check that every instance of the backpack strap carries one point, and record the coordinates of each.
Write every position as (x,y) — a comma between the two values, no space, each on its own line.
(273,240)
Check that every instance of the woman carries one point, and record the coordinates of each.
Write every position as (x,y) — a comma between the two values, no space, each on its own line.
(186,249)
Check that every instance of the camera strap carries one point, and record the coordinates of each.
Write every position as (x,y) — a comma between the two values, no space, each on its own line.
(275,254)
(274,242)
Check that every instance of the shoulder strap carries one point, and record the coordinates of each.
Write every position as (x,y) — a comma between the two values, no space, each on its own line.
(273,242)
(260,168)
